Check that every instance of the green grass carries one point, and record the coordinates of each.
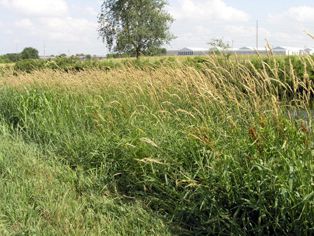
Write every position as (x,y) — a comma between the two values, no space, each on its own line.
(211,149)
(39,196)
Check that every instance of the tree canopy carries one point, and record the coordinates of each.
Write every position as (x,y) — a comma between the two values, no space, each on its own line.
(134,27)
(29,53)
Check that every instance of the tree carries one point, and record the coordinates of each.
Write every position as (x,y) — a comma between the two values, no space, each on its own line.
(29,53)
(220,47)
(12,57)
(134,27)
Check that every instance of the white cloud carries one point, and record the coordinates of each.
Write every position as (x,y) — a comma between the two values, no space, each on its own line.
(297,14)
(207,10)
(302,13)
(50,20)
(199,21)
(68,29)
(92,11)
(246,31)
(290,25)
(37,7)
(60,25)
(246,35)
(24,23)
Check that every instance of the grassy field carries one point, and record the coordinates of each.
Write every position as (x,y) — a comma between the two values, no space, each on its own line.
(197,149)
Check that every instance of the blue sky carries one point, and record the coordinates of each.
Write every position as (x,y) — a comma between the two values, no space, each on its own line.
(70,26)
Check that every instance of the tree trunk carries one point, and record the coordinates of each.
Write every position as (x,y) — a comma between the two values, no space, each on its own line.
(138,52)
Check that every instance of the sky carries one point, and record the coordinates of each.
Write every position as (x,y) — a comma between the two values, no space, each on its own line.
(70,26)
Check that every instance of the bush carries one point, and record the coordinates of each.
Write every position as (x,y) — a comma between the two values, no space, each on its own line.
(29,65)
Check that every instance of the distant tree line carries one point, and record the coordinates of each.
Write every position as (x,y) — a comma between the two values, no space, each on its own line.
(152,52)
(32,54)
(27,53)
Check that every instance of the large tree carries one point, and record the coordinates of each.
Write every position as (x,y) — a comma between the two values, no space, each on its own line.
(134,27)
(29,53)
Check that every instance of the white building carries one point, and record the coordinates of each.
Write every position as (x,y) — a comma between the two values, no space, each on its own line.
(309,51)
(188,52)
(287,51)
(246,51)
(47,57)
(251,51)
(203,51)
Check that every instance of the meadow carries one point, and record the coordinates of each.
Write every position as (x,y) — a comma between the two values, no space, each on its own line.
(162,146)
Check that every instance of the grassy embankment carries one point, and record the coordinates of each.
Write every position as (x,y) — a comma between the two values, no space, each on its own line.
(208,149)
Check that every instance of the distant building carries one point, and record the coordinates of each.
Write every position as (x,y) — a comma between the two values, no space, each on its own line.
(188,52)
(97,57)
(193,51)
(47,57)
(203,51)
(222,50)
(309,51)
(287,51)
(250,51)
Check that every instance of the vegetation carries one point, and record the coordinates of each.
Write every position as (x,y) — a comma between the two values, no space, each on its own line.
(29,53)
(39,197)
(10,57)
(138,27)
(218,45)
(26,54)
(197,146)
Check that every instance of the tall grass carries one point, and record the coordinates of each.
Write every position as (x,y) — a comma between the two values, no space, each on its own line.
(214,147)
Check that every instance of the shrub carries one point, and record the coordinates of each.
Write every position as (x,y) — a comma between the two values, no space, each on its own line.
(29,65)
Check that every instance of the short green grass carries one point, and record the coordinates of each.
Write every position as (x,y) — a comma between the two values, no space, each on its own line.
(39,196)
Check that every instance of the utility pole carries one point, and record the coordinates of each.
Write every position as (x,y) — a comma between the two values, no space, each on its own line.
(44,44)
(16,55)
(257,29)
